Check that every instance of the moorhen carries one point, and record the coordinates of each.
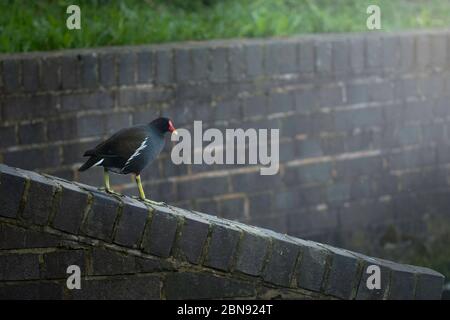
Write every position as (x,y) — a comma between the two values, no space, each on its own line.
(129,151)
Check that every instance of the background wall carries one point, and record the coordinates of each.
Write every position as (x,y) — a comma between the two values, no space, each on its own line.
(363,122)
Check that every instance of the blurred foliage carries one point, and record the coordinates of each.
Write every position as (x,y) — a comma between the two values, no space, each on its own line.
(41,25)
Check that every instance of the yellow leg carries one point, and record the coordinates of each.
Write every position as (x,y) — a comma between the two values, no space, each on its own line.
(107,184)
(142,194)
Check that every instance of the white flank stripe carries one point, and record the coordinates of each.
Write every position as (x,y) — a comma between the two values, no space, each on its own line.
(98,163)
(137,152)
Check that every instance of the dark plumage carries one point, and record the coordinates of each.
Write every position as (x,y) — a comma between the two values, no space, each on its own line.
(130,150)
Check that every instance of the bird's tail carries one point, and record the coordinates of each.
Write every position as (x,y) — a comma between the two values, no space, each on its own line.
(89,163)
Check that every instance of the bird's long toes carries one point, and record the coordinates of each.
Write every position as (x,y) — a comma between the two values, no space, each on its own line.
(151,202)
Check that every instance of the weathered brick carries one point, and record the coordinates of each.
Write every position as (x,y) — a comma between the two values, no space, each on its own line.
(17,266)
(131,225)
(40,198)
(183,65)
(199,63)
(50,73)
(219,64)
(12,186)
(202,188)
(306,100)
(36,158)
(364,293)
(390,52)
(88,71)
(11,75)
(374,53)
(343,278)
(101,216)
(222,247)
(237,65)
(70,210)
(252,253)
(108,262)
(429,284)
(145,66)
(192,239)
(324,62)
(14,237)
(306,56)
(160,234)
(315,173)
(56,263)
(164,66)
(439,45)
(188,285)
(30,74)
(280,102)
(357,56)
(281,57)
(407,52)
(125,288)
(107,70)
(70,66)
(126,68)
(8,136)
(254,60)
(423,52)
(31,133)
(32,291)
(312,266)
(281,262)
(341,60)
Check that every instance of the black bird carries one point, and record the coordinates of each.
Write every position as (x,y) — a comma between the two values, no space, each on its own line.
(129,151)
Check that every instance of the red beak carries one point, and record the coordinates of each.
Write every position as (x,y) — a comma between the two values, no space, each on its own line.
(172,128)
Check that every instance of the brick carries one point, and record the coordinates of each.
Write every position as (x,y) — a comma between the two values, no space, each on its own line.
(12,186)
(254,105)
(423,52)
(237,65)
(126,68)
(374,53)
(219,64)
(56,263)
(254,60)
(311,268)
(40,198)
(390,52)
(125,288)
(101,217)
(199,65)
(145,67)
(306,59)
(402,282)
(13,237)
(131,225)
(107,262)
(429,284)
(280,102)
(331,96)
(17,266)
(341,60)
(381,91)
(251,254)
(31,133)
(281,57)
(36,158)
(306,100)
(88,71)
(70,78)
(202,188)
(187,285)
(357,55)
(357,93)
(30,74)
(32,291)
(70,210)
(324,62)
(11,75)
(164,66)
(439,45)
(222,247)
(343,275)
(364,293)
(227,109)
(314,173)
(281,262)
(232,208)
(359,166)
(8,134)
(407,52)
(338,192)
(29,107)
(183,65)
(160,234)
(359,118)
(192,239)
(254,182)
(50,74)
(107,70)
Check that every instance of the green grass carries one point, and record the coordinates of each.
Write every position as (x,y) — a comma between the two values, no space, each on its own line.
(27,25)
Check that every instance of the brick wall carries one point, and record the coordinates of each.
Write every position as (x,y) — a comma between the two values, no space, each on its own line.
(126,250)
(363,121)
